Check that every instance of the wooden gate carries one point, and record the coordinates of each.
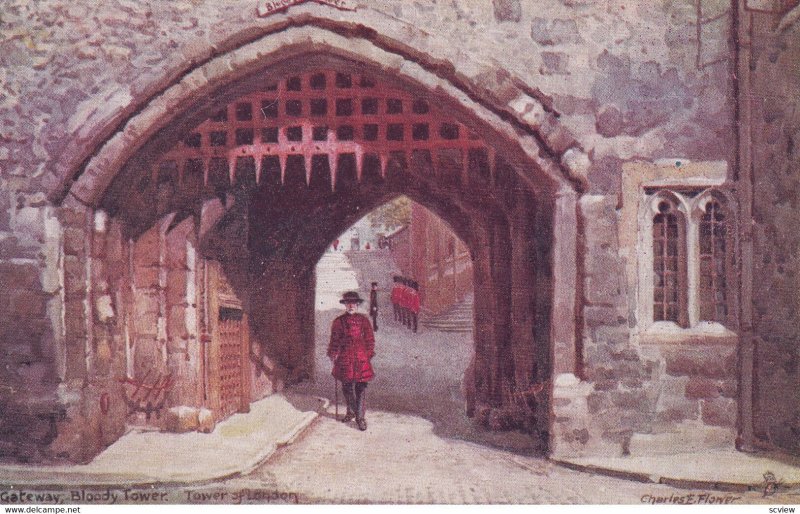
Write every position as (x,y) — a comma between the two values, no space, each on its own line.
(229,370)
(231,386)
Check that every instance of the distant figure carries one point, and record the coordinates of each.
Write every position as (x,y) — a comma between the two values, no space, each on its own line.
(395,297)
(351,347)
(373,305)
(367,247)
(335,244)
(413,304)
(405,315)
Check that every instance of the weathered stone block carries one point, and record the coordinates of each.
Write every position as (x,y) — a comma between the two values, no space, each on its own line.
(507,10)
(699,387)
(598,402)
(699,363)
(206,422)
(176,287)
(602,315)
(609,121)
(72,217)
(555,63)
(75,317)
(74,241)
(146,250)
(104,308)
(147,277)
(176,323)
(181,419)
(550,32)
(630,400)
(19,276)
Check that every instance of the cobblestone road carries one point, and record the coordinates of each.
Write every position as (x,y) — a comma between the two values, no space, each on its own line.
(399,459)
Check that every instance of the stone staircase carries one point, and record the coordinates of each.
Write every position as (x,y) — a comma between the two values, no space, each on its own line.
(335,275)
(338,272)
(458,318)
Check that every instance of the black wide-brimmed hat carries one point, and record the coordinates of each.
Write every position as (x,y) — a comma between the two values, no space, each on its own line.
(351,297)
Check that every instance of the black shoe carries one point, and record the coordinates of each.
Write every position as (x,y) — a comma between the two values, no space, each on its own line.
(348,417)
(362,424)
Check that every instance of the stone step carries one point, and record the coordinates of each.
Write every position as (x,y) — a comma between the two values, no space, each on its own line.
(458,318)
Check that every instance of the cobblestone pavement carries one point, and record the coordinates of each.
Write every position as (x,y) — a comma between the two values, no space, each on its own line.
(399,459)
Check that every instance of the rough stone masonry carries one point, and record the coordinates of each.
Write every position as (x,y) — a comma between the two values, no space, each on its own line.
(601,86)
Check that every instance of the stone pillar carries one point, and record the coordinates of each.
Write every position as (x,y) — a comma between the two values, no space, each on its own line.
(281,318)
(484,317)
(522,292)
(31,332)
(567,357)
(94,414)
(183,346)
(149,322)
(500,254)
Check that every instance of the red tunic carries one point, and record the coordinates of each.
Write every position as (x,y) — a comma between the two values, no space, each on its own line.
(413,301)
(396,295)
(404,297)
(352,346)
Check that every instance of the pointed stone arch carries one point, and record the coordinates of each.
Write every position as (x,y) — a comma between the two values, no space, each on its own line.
(521,308)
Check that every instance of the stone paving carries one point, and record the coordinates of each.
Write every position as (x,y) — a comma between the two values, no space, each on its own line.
(400,459)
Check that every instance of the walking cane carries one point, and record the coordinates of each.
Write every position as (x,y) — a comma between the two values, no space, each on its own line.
(336,396)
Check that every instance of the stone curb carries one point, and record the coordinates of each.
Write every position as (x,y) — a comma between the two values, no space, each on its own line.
(654,478)
(69,480)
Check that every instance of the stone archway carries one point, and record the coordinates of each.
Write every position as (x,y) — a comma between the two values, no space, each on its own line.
(525,194)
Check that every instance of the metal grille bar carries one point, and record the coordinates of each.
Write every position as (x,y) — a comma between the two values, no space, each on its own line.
(325,113)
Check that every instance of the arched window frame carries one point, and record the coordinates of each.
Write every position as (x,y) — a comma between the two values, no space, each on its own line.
(647,273)
(691,206)
(698,210)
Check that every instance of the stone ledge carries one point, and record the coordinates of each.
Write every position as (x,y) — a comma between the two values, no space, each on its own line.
(711,334)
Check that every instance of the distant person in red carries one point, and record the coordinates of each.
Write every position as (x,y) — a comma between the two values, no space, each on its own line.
(395,296)
(367,247)
(351,347)
(335,244)
(413,304)
(405,302)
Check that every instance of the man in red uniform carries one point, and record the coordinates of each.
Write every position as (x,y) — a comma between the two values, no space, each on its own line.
(351,348)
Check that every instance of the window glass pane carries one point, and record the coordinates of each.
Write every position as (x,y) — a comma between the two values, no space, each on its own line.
(713,294)
(668,283)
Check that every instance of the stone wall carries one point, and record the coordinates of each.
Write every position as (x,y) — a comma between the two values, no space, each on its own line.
(596,83)
(772,139)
